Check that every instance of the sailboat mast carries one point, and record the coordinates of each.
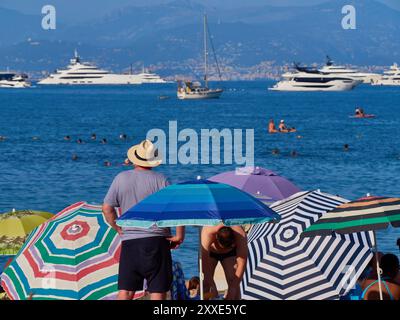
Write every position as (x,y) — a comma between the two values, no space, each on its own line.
(205,52)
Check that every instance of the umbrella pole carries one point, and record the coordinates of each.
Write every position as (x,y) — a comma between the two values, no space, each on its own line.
(201,275)
(378,268)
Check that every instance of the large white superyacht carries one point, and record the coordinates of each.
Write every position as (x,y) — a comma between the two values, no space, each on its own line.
(306,79)
(391,77)
(365,77)
(84,73)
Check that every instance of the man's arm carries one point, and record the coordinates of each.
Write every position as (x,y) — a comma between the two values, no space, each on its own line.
(178,239)
(207,237)
(241,261)
(241,252)
(111,215)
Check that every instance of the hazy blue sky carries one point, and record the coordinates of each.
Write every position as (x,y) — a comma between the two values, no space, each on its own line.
(73,10)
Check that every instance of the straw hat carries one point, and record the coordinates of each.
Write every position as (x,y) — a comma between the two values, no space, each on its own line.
(144,154)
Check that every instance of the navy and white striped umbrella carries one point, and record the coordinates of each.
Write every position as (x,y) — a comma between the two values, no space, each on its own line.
(284,266)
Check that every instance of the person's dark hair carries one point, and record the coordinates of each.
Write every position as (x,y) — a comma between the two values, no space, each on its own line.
(225,237)
(390,265)
(194,282)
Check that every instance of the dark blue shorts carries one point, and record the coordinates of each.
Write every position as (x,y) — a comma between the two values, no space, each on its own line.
(147,258)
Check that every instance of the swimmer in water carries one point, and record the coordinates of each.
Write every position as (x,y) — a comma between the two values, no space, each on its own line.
(294,153)
(346,147)
(107,163)
(123,136)
(271,126)
(285,129)
(2,138)
(127,162)
(93,137)
(67,138)
(275,151)
(282,126)
(74,157)
(359,113)
(79,141)
(104,141)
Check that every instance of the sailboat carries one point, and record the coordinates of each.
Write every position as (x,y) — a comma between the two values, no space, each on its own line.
(194,90)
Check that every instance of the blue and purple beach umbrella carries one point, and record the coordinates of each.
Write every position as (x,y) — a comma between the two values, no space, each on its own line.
(262,183)
(197,203)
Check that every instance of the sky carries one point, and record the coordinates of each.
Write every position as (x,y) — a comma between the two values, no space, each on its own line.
(82,10)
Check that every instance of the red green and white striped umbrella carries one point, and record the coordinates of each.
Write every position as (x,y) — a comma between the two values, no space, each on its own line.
(74,256)
(365,214)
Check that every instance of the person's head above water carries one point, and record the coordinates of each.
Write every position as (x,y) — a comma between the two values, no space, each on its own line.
(390,265)
(225,237)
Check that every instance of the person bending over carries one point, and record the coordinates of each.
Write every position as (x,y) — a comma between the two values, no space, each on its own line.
(227,245)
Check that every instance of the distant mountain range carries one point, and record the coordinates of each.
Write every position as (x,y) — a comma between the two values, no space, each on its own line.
(167,34)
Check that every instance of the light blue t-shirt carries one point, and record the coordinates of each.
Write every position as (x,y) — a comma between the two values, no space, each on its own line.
(129,188)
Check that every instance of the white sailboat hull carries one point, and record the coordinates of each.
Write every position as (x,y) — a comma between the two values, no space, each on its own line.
(203,94)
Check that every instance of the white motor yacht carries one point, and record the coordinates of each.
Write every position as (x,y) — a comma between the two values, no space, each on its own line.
(84,73)
(390,77)
(365,77)
(13,80)
(306,79)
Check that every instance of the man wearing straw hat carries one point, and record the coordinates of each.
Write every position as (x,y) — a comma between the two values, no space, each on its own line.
(145,253)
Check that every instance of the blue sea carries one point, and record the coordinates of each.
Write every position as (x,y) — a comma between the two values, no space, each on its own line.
(40,173)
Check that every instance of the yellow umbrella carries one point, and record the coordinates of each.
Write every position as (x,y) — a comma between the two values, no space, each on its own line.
(15,227)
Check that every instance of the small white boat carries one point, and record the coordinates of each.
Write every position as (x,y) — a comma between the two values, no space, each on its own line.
(390,77)
(149,77)
(194,90)
(13,80)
